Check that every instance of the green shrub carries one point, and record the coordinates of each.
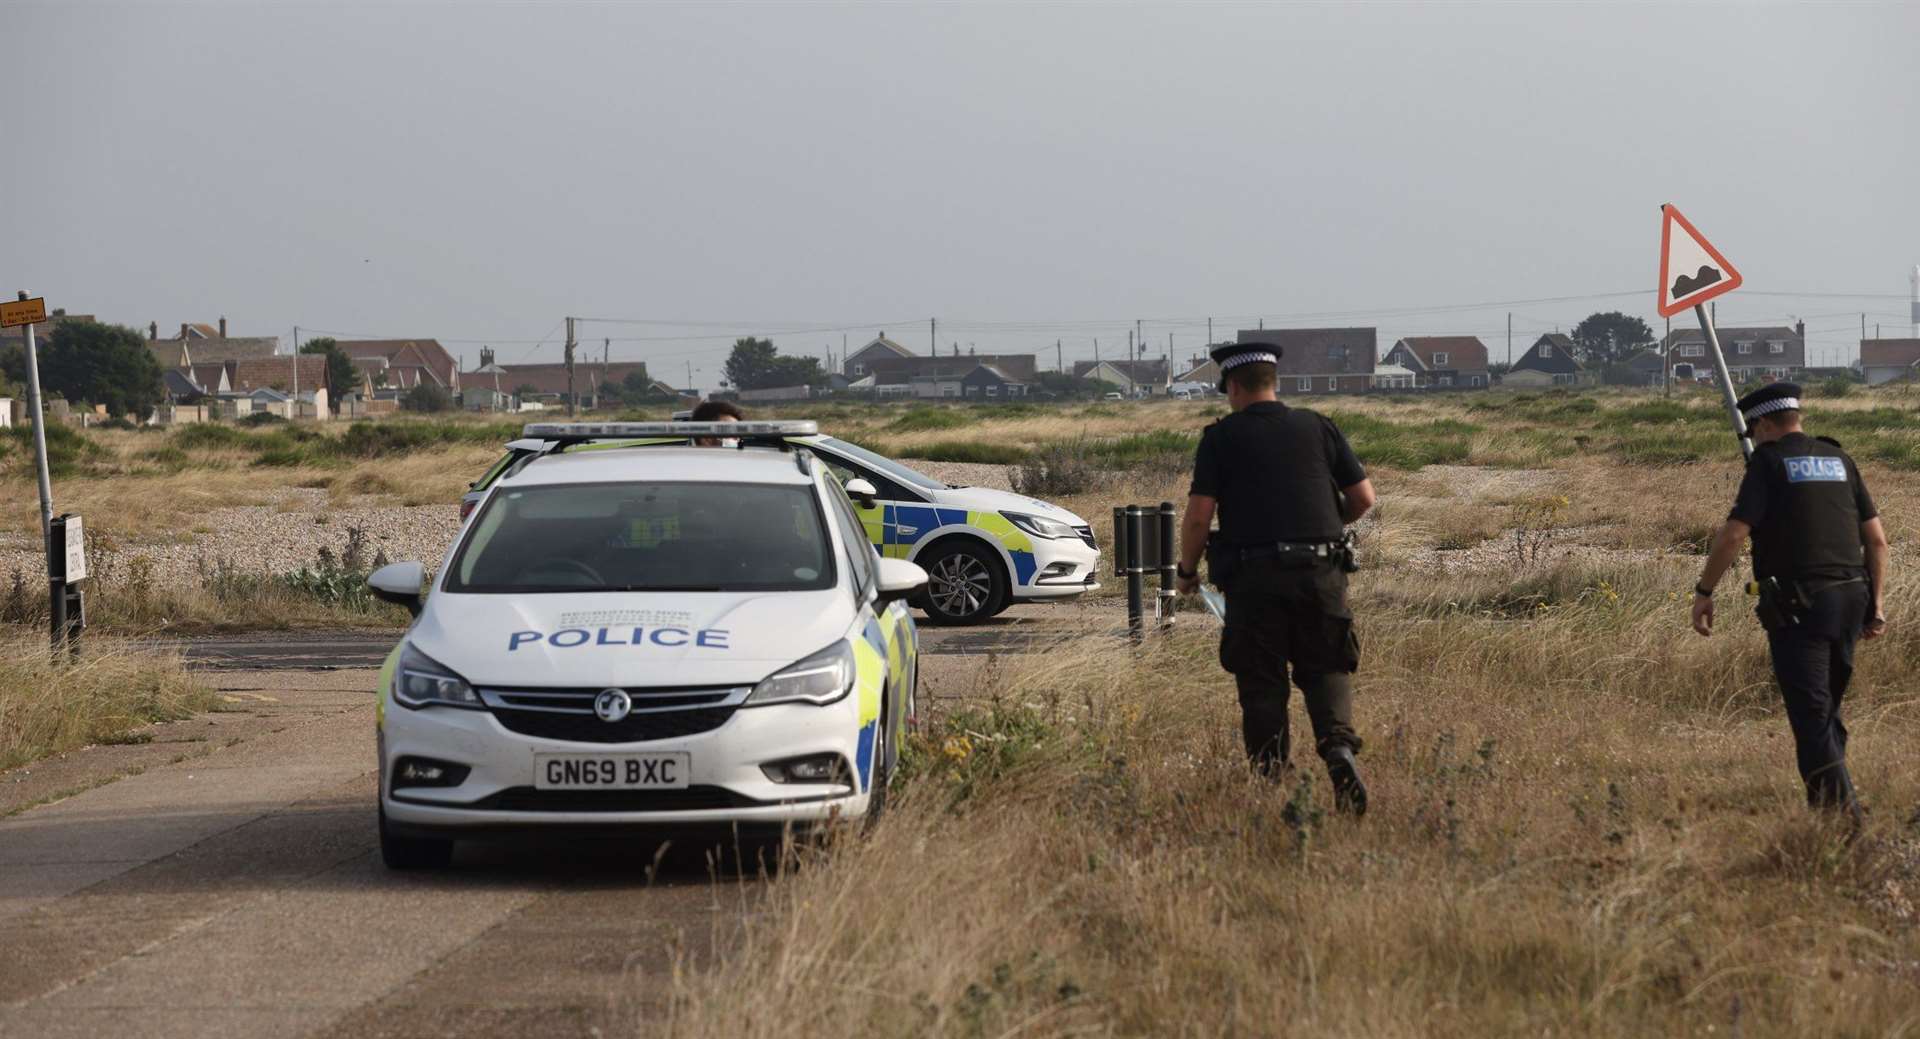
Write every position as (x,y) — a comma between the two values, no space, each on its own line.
(69,452)
(921,418)
(970,451)
(204,436)
(1837,386)
(262,418)
(1059,467)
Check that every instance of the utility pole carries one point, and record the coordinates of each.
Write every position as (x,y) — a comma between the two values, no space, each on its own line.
(933,336)
(571,398)
(1096,352)
(1129,347)
(689,375)
(1209,333)
(1510,339)
(1059,357)
(1139,338)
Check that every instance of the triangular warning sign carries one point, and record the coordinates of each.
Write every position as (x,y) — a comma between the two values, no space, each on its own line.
(1692,271)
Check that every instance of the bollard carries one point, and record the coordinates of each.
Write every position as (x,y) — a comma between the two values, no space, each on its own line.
(1169,561)
(1119,542)
(1136,574)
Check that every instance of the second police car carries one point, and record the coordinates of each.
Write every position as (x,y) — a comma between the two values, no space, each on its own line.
(983,549)
(679,635)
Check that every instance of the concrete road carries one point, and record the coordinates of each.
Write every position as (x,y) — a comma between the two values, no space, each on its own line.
(235,889)
(220,876)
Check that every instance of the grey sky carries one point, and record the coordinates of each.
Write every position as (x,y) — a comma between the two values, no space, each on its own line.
(1023,172)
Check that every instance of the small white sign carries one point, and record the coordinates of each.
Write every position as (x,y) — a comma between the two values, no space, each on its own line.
(76,549)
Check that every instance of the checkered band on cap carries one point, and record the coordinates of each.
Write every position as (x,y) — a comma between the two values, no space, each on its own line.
(1768,407)
(1248,358)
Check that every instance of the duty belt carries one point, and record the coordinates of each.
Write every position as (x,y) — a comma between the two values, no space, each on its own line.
(1289,550)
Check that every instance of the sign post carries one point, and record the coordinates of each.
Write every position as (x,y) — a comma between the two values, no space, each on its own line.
(1692,272)
(29,312)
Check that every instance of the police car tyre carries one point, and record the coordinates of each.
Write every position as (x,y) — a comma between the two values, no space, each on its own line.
(399,852)
(966,583)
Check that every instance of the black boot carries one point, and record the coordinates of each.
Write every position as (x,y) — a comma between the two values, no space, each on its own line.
(1349,793)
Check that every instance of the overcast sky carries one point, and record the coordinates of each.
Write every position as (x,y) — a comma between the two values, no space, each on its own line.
(1024,173)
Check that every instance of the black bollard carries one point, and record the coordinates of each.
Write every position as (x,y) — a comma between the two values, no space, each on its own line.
(1119,542)
(1169,562)
(1136,521)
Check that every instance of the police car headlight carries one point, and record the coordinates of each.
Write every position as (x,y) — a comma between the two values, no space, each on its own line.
(421,680)
(822,678)
(1039,526)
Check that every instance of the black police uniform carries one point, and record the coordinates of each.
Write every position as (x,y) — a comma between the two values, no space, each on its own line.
(1276,474)
(1805,501)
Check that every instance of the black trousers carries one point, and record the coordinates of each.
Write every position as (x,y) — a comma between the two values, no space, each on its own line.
(1281,617)
(1813,662)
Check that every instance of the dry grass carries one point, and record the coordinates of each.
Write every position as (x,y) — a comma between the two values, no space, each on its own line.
(111,690)
(1585,822)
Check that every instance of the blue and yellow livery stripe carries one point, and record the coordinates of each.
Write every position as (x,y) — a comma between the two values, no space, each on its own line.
(870,677)
(899,528)
(385,688)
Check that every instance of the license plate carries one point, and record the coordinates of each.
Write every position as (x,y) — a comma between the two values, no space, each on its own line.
(610,771)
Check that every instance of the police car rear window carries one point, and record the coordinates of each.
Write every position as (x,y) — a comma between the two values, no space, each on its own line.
(651,537)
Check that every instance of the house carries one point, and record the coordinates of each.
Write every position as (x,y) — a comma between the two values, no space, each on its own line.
(935,377)
(1142,378)
(1649,368)
(207,344)
(1550,361)
(1887,360)
(1320,360)
(550,380)
(300,381)
(1754,354)
(860,362)
(987,382)
(1442,361)
(1201,370)
(402,364)
(1389,376)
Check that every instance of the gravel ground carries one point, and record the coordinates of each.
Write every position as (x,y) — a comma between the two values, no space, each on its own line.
(279,538)
(969,474)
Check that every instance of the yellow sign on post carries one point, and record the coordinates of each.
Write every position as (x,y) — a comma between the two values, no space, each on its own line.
(14,313)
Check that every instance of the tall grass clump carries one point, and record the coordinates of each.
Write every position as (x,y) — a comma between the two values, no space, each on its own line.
(47,708)
(1411,445)
(1562,840)
(69,451)
(925,417)
(970,451)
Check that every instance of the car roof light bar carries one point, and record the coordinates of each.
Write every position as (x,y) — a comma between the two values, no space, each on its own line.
(577,431)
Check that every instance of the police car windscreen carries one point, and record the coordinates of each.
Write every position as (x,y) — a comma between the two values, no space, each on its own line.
(911,477)
(657,537)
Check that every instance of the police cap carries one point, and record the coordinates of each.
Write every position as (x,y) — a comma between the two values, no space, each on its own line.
(1232,355)
(1776,396)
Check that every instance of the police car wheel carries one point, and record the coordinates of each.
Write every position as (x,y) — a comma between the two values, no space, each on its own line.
(400,852)
(965,585)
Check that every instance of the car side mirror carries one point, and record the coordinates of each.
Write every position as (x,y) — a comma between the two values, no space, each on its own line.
(400,584)
(899,579)
(862,492)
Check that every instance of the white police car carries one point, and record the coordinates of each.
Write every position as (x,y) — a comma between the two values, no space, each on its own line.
(984,549)
(673,636)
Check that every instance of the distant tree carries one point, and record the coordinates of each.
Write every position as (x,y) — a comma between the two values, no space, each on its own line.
(1611,337)
(635,385)
(426,397)
(527,389)
(755,364)
(342,376)
(102,364)
(1061,384)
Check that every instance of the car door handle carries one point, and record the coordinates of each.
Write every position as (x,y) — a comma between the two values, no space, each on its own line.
(904,529)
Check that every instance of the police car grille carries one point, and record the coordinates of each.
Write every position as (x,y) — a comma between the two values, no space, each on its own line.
(634,728)
(567,714)
(690,799)
(1086,535)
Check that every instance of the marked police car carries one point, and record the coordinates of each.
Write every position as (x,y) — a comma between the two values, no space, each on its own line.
(674,636)
(983,549)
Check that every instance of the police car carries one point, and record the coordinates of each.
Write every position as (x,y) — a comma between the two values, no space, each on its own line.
(676,636)
(984,549)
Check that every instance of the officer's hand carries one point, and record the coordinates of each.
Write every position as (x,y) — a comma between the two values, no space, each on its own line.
(1703,614)
(1877,626)
(1187,585)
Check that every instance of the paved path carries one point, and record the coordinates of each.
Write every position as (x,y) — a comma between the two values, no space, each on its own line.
(237,891)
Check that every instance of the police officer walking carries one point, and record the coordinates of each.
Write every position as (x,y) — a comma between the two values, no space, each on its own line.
(1285,484)
(1820,558)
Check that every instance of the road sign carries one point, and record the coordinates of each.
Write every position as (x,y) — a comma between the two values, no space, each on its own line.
(14,313)
(1692,271)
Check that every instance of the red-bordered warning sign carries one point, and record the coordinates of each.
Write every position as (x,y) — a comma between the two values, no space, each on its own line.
(1692,271)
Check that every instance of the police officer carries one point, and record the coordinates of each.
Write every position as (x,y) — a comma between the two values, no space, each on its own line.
(1820,556)
(1285,484)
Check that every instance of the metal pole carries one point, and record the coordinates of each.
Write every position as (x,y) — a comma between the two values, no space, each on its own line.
(1726,380)
(1120,552)
(1136,574)
(1168,563)
(56,590)
(571,396)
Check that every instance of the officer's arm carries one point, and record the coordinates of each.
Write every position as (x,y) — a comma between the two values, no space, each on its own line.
(1726,548)
(1873,537)
(1355,500)
(1193,530)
